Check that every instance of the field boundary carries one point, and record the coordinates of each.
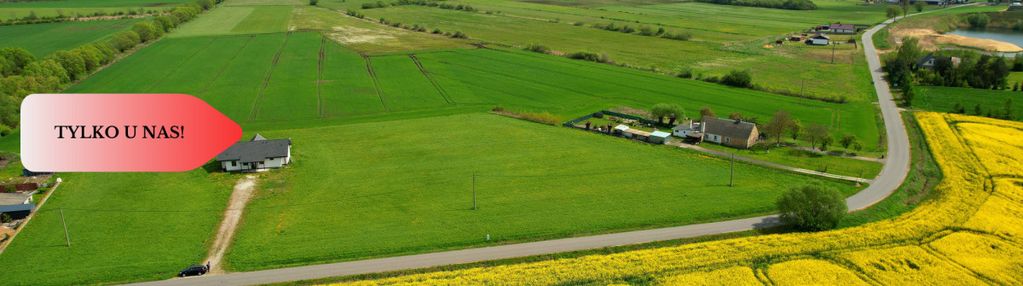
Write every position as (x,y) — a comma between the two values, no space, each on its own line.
(426,74)
(254,111)
(376,82)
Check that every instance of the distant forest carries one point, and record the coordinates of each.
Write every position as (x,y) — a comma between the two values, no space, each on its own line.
(777,4)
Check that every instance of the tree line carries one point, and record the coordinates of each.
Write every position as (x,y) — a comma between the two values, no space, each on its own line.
(23,74)
(971,69)
(33,18)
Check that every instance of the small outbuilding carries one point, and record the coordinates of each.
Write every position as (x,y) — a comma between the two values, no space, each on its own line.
(659,137)
(819,40)
(17,205)
(256,154)
(842,28)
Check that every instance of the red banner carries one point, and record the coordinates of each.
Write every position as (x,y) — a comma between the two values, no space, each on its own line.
(121,132)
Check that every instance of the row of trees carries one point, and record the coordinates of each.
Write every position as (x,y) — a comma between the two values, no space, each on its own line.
(645,31)
(413,27)
(777,4)
(782,124)
(24,74)
(972,70)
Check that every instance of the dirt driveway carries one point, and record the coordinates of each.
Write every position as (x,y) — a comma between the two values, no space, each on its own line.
(243,190)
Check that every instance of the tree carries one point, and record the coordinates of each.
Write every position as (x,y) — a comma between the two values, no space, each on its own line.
(847,140)
(908,92)
(706,112)
(977,110)
(1008,109)
(313,2)
(795,129)
(147,31)
(816,132)
(72,63)
(15,60)
(958,108)
(826,141)
(735,116)
(662,110)
(919,6)
(738,79)
(780,123)
(812,208)
(893,11)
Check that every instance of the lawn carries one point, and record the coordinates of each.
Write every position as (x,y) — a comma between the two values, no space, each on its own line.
(807,160)
(944,99)
(44,39)
(389,188)
(122,227)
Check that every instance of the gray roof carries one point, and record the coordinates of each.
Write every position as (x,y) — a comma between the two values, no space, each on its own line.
(17,208)
(14,198)
(256,150)
(843,26)
(729,127)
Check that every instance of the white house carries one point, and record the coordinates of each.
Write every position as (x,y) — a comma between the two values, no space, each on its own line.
(256,154)
(842,28)
(689,129)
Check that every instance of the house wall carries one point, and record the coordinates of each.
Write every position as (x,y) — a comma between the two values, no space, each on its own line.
(226,165)
(819,41)
(713,138)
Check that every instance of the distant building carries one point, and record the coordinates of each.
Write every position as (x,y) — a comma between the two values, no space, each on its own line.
(655,137)
(819,40)
(930,61)
(18,205)
(256,154)
(842,28)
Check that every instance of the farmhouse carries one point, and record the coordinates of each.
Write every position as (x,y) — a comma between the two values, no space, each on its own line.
(256,154)
(734,133)
(819,40)
(930,61)
(18,205)
(842,28)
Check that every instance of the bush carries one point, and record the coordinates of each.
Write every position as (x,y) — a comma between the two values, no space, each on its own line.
(589,56)
(543,117)
(536,48)
(738,79)
(680,36)
(978,20)
(313,2)
(686,73)
(459,35)
(812,208)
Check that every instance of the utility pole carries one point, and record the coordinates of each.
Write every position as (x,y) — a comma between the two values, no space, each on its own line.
(731,171)
(833,45)
(67,237)
(473,190)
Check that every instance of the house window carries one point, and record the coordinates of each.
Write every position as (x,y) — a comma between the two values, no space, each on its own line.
(726,139)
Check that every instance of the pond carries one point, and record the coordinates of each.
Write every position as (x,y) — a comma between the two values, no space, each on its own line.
(1007,36)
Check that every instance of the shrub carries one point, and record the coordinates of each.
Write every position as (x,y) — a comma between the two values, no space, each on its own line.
(686,73)
(542,117)
(738,79)
(812,208)
(978,20)
(589,56)
(459,35)
(537,48)
(680,36)
(313,2)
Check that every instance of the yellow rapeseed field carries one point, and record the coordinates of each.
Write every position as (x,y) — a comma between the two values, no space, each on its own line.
(969,233)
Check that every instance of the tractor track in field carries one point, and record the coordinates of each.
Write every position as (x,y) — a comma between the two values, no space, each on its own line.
(443,93)
(376,82)
(254,111)
(226,66)
(319,75)
(177,68)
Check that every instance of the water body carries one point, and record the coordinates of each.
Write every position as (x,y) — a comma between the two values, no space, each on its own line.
(1007,36)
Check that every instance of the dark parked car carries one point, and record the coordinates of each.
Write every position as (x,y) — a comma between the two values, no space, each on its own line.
(194,270)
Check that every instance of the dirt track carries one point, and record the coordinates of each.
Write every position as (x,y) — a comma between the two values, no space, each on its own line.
(239,198)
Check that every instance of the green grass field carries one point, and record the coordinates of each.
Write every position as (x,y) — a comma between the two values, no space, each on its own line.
(53,8)
(43,39)
(250,87)
(944,99)
(123,227)
(389,125)
(388,188)
(725,38)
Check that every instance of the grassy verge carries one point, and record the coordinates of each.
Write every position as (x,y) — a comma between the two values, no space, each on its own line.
(808,160)
(923,176)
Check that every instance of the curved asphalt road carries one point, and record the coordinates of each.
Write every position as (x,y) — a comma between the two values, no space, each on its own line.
(892,175)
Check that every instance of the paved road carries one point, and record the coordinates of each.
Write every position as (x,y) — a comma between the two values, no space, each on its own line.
(892,175)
